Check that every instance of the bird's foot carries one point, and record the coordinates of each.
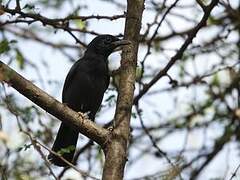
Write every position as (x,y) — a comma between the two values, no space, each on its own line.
(84,115)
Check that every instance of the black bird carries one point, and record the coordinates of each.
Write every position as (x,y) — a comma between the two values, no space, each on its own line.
(83,91)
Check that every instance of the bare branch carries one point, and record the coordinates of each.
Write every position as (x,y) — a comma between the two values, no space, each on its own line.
(235,172)
(179,53)
(201,4)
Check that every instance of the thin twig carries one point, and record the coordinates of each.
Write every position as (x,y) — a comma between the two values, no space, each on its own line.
(164,154)
(180,52)
(235,172)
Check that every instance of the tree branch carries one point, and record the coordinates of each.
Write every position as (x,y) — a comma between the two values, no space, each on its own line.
(180,52)
(116,149)
(62,112)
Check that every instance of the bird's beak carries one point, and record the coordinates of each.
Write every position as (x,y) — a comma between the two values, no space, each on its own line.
(119,44)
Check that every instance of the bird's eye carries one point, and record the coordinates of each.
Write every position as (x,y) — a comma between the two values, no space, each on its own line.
(108,40)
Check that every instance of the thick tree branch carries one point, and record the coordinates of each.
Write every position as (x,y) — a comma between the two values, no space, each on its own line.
(116,149)
(52,106)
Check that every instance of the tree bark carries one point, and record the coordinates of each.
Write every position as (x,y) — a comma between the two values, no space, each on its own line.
(116,147)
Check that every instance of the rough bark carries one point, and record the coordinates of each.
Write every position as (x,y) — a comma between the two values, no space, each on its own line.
(116,147)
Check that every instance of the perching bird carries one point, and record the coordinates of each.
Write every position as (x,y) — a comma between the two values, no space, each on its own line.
(83,91)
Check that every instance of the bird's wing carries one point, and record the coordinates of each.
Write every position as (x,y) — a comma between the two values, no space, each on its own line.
(70,76)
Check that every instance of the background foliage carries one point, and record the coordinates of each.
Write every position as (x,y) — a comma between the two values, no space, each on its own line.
(188,122)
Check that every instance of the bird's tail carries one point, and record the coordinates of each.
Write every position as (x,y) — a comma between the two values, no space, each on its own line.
(65,144)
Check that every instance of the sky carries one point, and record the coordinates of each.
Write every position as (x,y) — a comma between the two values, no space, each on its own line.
(59,66)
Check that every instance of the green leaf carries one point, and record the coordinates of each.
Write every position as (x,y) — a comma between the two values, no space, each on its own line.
(29,6)
(214,21)
(27,146)
(66,150)
(110,98)
(157,46)
(139,73)
(27,114)
(99,153)
(4,46)
(24,147)
(215,80)
(134,115)
(80,24)
(20,59)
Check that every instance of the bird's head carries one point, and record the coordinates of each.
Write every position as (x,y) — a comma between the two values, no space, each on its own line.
(106,44)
